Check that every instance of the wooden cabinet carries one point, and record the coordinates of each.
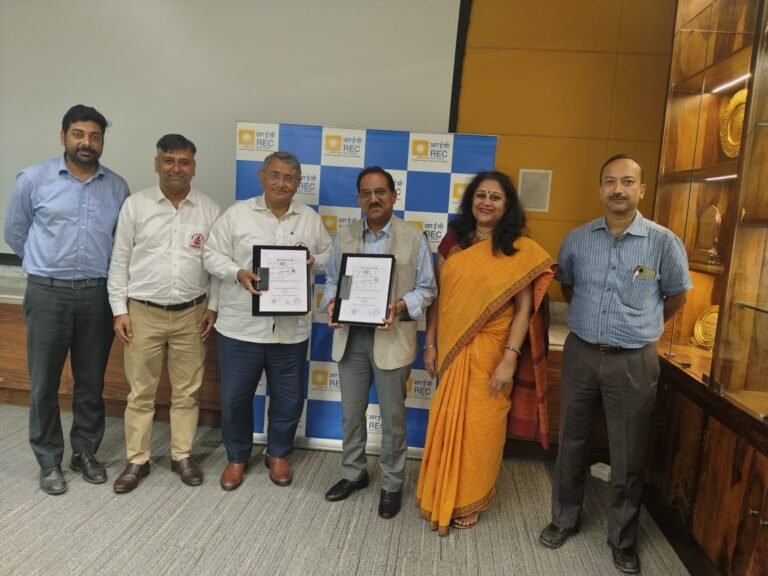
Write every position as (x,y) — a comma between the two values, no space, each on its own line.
(675,451)
(14,375)
(734,479)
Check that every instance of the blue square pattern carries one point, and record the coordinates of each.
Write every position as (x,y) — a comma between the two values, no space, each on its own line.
(321,343)
(304,142)
(388,149)
(338,186)
(247,183)
(473,154)
(323,419)
(428,192)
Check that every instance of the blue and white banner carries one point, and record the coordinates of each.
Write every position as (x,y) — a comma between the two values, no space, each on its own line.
(430,171)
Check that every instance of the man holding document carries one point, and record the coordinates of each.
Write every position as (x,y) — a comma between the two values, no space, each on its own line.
(250,340)
(380,348)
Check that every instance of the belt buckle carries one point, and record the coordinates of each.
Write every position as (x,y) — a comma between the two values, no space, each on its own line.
(604,348)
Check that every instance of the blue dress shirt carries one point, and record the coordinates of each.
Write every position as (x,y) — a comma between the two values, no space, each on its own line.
(62,227)
(619,284)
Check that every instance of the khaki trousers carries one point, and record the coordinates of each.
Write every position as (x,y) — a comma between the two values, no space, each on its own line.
(154,331)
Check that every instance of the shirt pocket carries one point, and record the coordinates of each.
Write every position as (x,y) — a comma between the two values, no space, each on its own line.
(639,293)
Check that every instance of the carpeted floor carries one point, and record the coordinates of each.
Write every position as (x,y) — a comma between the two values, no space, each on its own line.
(164,527)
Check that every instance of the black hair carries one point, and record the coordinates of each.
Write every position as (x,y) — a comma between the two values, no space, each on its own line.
(83,113)
(376,170)
(622,156)
(174,142)
(510,227)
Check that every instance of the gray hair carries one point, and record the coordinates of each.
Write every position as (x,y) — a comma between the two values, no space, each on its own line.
(285,157)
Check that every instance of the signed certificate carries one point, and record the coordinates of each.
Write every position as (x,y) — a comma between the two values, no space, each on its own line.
(284,284)
(364,289)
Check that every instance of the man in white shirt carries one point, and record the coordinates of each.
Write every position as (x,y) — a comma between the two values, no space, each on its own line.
(162,298)
(251,345)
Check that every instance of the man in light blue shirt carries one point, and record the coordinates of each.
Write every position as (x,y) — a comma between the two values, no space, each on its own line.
(383,354)
(623,277)
(61,220)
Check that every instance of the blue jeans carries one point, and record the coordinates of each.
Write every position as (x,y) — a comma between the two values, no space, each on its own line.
(242,364)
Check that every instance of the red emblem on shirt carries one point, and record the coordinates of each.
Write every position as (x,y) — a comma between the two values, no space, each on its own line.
(197,241)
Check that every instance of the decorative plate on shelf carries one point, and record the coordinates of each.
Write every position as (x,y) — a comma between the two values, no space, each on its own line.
(705,327)
(732,123)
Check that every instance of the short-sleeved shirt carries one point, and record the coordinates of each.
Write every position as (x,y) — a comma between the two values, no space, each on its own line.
(619,285)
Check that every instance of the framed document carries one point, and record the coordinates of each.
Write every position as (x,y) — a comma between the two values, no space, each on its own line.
(364,289)
(284,281)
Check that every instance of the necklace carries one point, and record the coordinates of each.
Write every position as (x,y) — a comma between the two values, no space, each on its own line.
(482,235)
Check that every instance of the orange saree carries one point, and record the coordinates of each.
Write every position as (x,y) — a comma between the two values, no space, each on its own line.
(467,427)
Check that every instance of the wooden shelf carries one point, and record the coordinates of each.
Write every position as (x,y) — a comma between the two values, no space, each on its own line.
(752,401)
(716,74)
(703,267)
(759,306)
(702,174)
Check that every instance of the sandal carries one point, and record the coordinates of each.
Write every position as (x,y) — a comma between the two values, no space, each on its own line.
(464,522)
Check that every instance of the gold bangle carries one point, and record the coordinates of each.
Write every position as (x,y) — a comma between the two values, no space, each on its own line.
(517,350)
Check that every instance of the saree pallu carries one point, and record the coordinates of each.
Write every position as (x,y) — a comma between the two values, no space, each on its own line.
(467,427)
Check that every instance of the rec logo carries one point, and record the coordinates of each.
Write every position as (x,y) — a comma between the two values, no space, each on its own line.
(331,223)
(320,378)
(333,143)
(246,137)
(420,148)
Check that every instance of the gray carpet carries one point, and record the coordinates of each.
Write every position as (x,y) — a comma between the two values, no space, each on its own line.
(165,527)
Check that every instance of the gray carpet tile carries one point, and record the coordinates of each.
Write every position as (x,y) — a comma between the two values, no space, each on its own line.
(167,528)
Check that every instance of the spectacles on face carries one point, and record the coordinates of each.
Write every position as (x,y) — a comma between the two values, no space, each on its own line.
(378,192)
(275,176)
(482,196)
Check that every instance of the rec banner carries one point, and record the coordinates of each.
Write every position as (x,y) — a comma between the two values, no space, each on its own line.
(430,171)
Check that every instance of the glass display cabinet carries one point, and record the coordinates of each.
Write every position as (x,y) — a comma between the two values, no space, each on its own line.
(713,193)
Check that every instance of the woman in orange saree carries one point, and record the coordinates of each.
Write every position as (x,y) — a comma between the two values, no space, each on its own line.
(492,281)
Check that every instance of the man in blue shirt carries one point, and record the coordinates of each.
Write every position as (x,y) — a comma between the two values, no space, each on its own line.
(623,276)
(61,220)
(382,354)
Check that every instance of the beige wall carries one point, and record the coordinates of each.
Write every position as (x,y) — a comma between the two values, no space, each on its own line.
(566,84)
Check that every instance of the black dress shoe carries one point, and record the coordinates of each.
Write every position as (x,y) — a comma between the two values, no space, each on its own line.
(92,470)
(343,488)
(626,559)
(389,504)
(52,480)
(553,536)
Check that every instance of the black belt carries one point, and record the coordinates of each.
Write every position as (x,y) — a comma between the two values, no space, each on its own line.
(173,307)
(73,284)
(606,349)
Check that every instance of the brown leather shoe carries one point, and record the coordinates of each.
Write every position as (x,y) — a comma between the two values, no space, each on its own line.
(130,476)
(190,474)
(279,470)
(233,474)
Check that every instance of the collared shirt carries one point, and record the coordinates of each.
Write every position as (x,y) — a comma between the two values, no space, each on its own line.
(230,248)
(425,289)
(619,284)
(62,227)
(158,252)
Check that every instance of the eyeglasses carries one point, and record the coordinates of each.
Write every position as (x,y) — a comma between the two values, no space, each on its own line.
(482,196)
(275,176)
(378,192)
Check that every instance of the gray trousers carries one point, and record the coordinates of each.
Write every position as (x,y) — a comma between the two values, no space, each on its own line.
(356,372)
(626,382)
(61,321)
